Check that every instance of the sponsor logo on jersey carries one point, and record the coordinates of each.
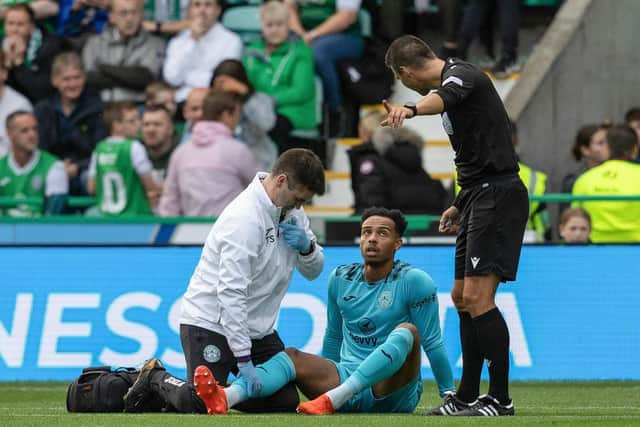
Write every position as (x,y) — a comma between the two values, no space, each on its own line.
(349,298)
(367,326)
(37,183)
(385,299)
(107,159)
(364,340)
(424,301)
(211,353)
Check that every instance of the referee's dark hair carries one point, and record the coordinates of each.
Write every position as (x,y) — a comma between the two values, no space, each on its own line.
(407,51)
(394,214)
(302,167)
(622,141)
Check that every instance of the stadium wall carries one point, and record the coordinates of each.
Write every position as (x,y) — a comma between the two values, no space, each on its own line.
(583,70)
(572,312)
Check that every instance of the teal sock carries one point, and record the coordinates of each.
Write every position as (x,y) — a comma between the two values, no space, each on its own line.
(275,373)
(383,362)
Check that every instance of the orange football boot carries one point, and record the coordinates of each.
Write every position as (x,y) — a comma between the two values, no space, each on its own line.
(210,391)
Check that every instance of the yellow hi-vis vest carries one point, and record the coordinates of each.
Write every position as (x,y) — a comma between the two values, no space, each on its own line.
(614,221)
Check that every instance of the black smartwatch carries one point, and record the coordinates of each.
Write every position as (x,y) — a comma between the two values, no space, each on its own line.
(158,29)
(411,106)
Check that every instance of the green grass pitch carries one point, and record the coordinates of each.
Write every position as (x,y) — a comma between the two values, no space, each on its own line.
(537,404)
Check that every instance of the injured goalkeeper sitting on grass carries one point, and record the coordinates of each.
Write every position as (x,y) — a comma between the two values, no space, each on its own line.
(380,312)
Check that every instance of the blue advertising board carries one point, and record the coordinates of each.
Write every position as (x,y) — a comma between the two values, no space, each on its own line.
(572,313)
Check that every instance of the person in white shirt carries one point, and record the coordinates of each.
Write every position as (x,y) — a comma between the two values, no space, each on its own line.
(10,101)
(231,305)
(193,54)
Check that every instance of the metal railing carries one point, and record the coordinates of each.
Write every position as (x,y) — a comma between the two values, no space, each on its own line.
(416,222)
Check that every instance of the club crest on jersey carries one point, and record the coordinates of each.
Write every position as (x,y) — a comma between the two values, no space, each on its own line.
(385,299)
(36,183)
(446,124)
(211,353)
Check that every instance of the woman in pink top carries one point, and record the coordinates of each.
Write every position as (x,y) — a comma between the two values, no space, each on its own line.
(211,169)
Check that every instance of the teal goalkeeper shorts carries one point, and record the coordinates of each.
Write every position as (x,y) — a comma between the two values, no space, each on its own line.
(404,400)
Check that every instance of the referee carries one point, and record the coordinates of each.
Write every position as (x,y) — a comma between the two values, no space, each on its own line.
(489,214)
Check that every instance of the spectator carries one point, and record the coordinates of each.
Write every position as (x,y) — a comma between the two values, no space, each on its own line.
(161,93)
(70,121)
(27,171)
(477,14)
(125,58)
(575,226)
(78,19)
(192,111)
(536,183)
(632,119)
(165,17)
(258,114)
(194,53)
(28,53)
(120,170)
(211,169)
(331,29)
(386,170)
(158,139)
(591,149)
(10,101)
(283,68)
(42,10)
(613,221)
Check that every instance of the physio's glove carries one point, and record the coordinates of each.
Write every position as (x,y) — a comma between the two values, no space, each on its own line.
(295,237)
(250,375)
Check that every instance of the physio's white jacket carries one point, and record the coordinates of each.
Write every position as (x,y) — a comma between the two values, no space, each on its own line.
(245,269)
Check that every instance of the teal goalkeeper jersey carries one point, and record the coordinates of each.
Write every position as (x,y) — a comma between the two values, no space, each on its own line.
(360,316)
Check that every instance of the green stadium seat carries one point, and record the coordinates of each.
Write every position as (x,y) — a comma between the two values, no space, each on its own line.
(313,133)
(244,21)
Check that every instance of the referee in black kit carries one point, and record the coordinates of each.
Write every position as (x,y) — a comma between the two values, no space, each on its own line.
(489,215)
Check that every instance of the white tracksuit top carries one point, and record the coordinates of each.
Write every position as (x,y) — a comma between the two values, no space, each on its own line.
(245,269)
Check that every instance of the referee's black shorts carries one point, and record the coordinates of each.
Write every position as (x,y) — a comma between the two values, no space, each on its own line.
(494,215)
(205,347)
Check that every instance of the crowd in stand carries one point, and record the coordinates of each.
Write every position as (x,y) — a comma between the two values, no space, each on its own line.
(155,107)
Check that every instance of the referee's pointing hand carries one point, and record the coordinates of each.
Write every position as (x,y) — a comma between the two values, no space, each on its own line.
(395,114)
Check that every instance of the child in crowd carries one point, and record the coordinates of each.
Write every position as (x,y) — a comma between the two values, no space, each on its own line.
(161,93)
(120,170)
(575,226)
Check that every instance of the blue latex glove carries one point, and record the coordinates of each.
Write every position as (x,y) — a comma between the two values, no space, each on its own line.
(295,237)
(250,375)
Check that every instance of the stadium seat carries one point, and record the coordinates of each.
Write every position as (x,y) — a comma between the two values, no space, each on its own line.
(364,19)
(313,133)
(244,21)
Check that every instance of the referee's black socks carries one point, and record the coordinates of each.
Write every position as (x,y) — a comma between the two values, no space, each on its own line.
(472,360)
(493,339)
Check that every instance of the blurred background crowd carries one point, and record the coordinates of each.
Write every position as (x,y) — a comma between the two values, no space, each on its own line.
(170,107)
